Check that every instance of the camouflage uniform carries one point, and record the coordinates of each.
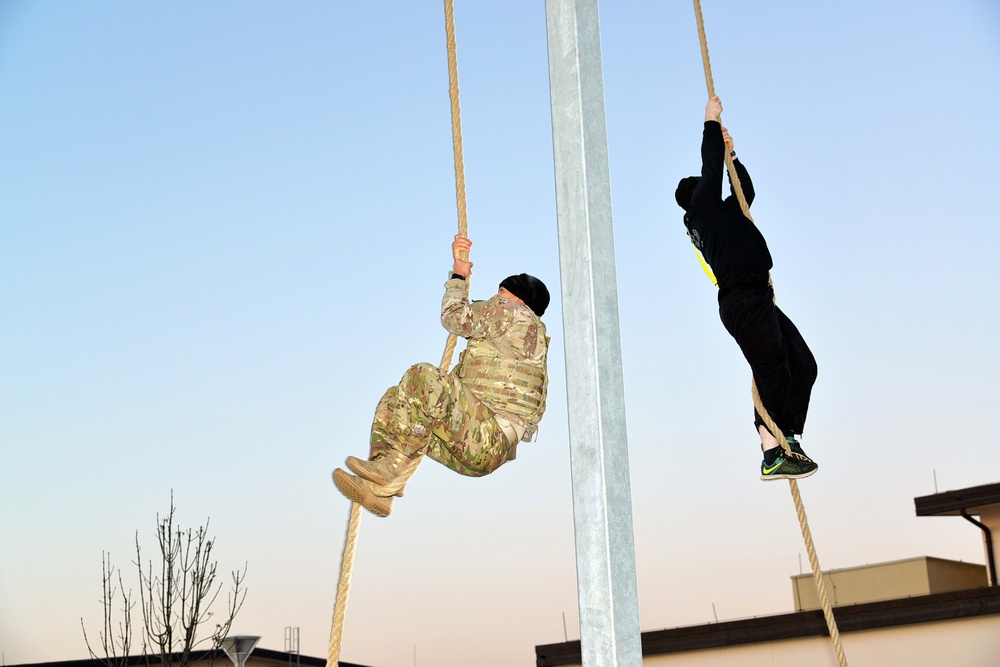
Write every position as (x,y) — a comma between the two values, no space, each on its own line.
(452,417)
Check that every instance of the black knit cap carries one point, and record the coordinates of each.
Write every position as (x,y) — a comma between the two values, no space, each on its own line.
(529,289)
(684,191)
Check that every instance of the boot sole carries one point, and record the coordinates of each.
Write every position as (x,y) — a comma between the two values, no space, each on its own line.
(360,495)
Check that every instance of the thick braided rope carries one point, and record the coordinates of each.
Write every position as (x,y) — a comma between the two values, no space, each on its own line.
(456,141)
(831,622)
(350,546)
(344,589)
(463,218)
(793,484)
(733,176)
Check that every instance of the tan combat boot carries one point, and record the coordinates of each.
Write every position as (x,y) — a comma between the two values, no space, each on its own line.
(362,492)
(383,469)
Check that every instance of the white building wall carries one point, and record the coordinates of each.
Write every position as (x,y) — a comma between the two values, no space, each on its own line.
(962,643)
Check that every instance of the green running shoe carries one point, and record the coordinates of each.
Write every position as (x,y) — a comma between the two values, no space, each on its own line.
(794,465)
(794,445)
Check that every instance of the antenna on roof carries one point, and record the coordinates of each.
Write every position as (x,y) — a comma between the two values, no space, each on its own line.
(292,645)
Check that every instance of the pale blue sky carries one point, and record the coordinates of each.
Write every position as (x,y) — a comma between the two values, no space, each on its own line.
(224,230)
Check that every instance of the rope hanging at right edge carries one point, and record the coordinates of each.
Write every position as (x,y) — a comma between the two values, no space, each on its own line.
(768,422)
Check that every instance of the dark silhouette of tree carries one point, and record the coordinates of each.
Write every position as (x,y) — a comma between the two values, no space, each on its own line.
(177,596)
(115,637)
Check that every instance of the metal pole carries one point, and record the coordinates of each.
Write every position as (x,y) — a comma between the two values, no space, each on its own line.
(602,506)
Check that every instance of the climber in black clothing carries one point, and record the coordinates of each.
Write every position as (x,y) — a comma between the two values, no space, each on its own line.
(783,367)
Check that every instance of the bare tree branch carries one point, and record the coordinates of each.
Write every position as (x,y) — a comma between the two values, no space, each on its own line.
(116,642)
(176,603)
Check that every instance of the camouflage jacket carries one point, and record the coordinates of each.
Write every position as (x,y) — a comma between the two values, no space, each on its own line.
(505,361)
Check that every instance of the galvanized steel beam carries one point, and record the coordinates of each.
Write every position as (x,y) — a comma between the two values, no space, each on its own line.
(602,506)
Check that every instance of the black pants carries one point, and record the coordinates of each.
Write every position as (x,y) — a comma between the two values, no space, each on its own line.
(783,367)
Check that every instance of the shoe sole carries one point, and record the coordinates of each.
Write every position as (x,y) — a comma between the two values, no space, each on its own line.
(355,493)
(801,475)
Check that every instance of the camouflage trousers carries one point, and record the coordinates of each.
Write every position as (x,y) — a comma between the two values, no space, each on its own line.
(430,412)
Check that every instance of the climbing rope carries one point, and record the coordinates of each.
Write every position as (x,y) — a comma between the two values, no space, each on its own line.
(344,588)
(456,141)
(351,543)
(831,622)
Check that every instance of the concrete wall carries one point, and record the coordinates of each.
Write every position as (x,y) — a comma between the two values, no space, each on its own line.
(888,581)
(963,643)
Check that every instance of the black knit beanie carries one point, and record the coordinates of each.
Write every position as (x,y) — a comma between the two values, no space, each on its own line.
(684,191)
(529,289)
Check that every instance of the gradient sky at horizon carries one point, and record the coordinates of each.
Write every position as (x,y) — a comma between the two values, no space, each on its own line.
(224,230)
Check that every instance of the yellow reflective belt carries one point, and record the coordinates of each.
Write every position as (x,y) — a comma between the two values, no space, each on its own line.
(705,266)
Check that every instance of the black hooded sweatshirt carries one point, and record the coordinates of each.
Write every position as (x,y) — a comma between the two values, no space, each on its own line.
(729,241)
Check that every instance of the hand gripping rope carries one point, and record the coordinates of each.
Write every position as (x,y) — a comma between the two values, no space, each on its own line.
(831,622)
(351,543)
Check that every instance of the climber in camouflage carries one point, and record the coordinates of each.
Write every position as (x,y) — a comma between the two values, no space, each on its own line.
(472,418)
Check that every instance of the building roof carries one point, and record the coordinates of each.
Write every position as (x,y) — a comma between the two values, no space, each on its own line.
(197,656)
(951,503)
(868,616)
